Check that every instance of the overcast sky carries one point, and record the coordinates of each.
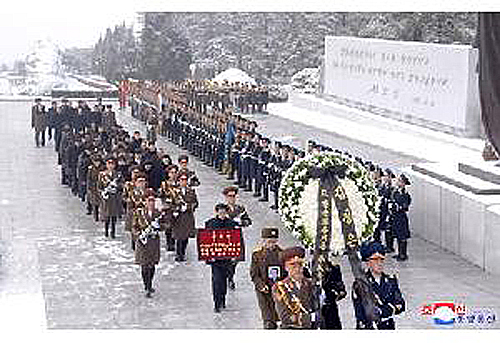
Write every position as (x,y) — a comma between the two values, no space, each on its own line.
(80,22)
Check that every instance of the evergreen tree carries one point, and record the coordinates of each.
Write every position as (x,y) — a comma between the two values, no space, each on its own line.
(165,53)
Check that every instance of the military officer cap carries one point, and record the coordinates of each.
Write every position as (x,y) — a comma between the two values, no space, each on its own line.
(270,232)
(293,252)
(150,192)
(110,159)
(141,176)
(38,100)
(221,206)
(230,189)
(183,158)
(405,179)
(135,169)
(369,249)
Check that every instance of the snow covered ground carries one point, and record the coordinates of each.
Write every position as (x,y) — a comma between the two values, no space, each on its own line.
(45,72)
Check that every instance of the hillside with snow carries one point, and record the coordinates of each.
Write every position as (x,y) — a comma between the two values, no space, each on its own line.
(45,72)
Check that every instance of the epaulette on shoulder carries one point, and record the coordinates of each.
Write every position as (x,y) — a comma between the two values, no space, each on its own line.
(392,277)
(258,249)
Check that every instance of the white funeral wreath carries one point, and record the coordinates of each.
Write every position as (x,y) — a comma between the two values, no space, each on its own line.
(298,200)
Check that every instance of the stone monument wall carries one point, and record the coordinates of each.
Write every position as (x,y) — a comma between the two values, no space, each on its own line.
(433,85)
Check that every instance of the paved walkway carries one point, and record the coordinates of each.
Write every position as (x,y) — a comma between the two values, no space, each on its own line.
(58,271)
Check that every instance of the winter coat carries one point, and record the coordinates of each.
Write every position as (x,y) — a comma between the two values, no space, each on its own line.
(399,217)
(112,206)
(38,117)
(184,223)
(93,195)
(145,253)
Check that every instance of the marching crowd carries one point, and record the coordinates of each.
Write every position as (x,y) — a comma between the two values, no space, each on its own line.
(118,176)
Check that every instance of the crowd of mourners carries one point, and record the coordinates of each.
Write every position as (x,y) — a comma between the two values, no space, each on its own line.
(122,176)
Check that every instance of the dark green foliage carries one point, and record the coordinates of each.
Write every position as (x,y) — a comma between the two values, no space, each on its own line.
(273,46)
(116,55)
(270,46)
(164,52)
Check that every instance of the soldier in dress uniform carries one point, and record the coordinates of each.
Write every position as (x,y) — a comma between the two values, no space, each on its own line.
(275,173)
(220,266)
(384,191)
(294,296)
(398,208)
(389,300)
(171,201)
(133,194)
(110,186)
(261,172)
(146,227)
(184,223)
(39,121)
(238,213)
(93,194)
(265,270)
(193,180)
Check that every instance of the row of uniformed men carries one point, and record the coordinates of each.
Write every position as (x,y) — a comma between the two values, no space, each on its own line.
(204,94)
(79,119)
(239,96)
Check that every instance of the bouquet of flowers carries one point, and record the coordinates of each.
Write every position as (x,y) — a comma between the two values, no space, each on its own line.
(150,232)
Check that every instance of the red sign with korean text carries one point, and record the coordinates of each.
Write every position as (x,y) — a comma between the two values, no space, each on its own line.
(219,244)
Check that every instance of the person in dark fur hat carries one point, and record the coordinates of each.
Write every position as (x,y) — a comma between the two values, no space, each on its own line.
(265,270)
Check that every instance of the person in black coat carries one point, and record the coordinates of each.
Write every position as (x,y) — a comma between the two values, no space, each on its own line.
(399,206)
(136,142)
(51,118)
(334,289)
(220,267)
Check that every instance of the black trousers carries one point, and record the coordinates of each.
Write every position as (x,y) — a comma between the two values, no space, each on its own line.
(112,220)
(58,135)
(148,272)
(37,137)
(219,282)
(181,245)
(231,269)
(170,240)
(330,317)
(265,189)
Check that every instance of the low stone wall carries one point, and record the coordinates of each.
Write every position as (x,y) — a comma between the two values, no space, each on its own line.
(460,222)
